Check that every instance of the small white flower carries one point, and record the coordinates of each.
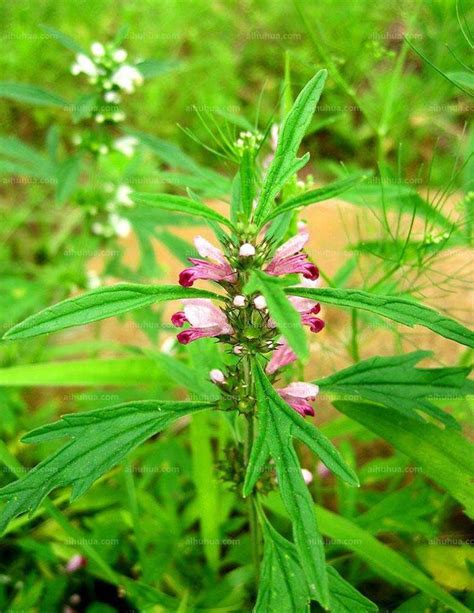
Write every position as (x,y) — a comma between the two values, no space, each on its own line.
(123,195)
(100,118)
(120,55)
(120,225)
(127,77)
(98,49)
(246,250)
(239,301)
(217,376)
(84,64)
(93,280)
(260,303)
(118,116)
(112,97)
(126,145)
(97,228)
(307,475)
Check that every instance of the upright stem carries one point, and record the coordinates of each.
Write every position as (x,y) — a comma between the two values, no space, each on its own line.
(255,536)
(354,333)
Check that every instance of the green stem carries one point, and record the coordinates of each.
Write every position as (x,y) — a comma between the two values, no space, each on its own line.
(354,334)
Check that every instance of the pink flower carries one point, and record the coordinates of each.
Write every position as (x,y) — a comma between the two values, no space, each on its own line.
(205,319)
(298,395)
(282,356)
(289,259)
(76,563)
(217,270)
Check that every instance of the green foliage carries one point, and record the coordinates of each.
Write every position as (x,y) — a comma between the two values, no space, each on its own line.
(396,383)
(99,304)
(100,440)
(397,308)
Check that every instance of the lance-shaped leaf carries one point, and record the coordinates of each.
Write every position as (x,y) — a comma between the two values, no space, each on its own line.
(277,424)
(30,93)
(282,585)
(396,383)
(444,456)
(99,441)
(179,204)
(99,304)
(397,308)
(285,163)
(316,195)
(283,313)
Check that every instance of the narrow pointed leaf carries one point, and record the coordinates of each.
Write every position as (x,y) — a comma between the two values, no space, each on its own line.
(180,204)
(395,382)
(285,163)
(316,195)
(30,93)
(99,304)
(99,440)
(398,309)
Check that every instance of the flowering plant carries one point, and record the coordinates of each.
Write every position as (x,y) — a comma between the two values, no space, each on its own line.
(267,294)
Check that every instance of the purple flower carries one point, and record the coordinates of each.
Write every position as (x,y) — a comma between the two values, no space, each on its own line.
(217,270)
(298,395)
(205,319)
(289,259)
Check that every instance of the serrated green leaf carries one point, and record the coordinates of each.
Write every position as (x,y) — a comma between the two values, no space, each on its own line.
(179,204)
(395,382)
(30,93)
(281,310)
(398,309)
(285,163)
(99,440)
(444,456)
(316,195)
(99,304)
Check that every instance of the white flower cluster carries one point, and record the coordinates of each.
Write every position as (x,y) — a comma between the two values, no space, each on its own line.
(248,140)
(115,224)
(106,68)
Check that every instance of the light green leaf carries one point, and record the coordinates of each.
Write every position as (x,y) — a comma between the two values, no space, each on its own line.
(281,310)
(316,195)
(122,372)
(395,382)
(285,162)
(64,39)
(153,68)
(398,309)
(99,440)
(444,456)
(30,93)
(179,204)
(99,304)
(67,177)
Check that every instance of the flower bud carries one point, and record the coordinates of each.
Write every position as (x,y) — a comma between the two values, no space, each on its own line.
(98,49)
(246,250)
(120,55)
(260,303)
(307,475)
(238,349)
(217,376)
(239,301)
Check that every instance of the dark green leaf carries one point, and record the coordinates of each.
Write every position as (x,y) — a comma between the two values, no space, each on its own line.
(99,440)
(398,309)
(99,304)
(285,163)
(396,383)
(67,177)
